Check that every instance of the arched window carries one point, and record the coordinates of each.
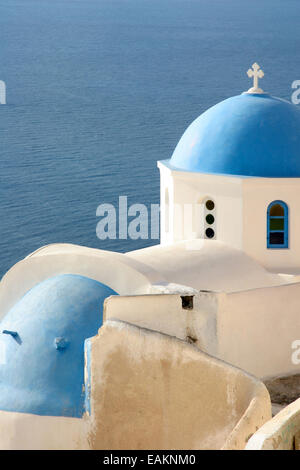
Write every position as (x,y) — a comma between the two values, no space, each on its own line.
(278,225)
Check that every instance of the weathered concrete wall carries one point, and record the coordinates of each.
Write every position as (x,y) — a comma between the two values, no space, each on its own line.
(280,433)
(152,391)
(252,329)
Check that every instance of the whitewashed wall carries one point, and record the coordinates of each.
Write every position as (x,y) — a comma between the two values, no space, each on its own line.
(165,313)
(256,329)
(258,193)
(116,270)
(193,189)
(252,329)
(241,213)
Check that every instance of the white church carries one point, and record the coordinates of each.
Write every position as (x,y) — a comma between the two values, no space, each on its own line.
(190,328)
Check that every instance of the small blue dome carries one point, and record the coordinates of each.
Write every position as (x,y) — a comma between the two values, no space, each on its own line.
(42,347)
(247,135)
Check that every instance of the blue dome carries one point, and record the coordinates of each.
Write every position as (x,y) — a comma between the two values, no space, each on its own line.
(42,347)
(248,135)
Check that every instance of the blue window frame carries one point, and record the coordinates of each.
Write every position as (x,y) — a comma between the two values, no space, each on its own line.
(278,225)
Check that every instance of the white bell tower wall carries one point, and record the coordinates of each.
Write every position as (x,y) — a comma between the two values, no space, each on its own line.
(187,199)
(258,194)
(238,214)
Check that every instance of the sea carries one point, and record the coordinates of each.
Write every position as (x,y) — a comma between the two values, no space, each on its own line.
(98,90)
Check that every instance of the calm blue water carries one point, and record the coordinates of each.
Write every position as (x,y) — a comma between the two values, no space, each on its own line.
(99,90)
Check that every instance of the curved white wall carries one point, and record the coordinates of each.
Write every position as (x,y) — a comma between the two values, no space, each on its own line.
(123,275)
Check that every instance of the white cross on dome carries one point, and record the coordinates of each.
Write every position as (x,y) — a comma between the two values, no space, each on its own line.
(255,72)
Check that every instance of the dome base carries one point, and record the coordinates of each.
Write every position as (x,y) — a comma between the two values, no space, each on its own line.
(255,91)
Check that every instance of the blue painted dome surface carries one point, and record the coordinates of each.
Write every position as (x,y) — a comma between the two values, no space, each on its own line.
(42,369)
(247,135)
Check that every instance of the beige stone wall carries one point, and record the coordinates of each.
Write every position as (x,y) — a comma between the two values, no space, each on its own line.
(152,391)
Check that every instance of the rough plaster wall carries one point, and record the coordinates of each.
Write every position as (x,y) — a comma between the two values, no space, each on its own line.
(152,391)
(165,313)
(252,329)
(22,431)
